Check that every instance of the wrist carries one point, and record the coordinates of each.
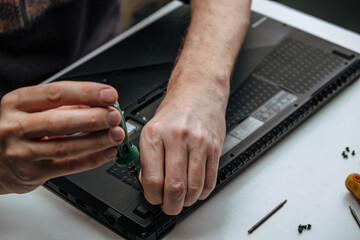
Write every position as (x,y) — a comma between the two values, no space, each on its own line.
(196,85)
(191,73)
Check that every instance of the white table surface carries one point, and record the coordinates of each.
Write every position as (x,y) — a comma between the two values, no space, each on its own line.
(306,168)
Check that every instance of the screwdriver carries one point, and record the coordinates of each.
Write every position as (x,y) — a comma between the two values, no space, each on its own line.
(128,153)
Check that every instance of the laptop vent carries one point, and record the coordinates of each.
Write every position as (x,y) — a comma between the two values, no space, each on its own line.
(249,96)
(325,94)
(297,66)
(164,223)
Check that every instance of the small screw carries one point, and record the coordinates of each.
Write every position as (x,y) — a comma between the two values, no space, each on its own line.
(347,149)
(353,153)
(345,156)
(302,227)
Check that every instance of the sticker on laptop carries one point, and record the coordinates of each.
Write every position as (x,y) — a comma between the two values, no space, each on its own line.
(273,106)
(266,112)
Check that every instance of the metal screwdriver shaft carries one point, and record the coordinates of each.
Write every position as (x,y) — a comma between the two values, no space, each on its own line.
(266,217)
(354,215)
(134,173)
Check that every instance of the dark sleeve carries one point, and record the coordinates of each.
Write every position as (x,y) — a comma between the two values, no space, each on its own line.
(186,1)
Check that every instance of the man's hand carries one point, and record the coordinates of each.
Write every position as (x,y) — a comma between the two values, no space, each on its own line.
(55,129)
(181,145)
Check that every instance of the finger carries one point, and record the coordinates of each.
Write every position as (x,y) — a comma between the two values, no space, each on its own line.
(56,168)
(212,166)
(196,175)
(176,158)
(68,107)
(53,95)
(63,148)
(152,166)
(62,122)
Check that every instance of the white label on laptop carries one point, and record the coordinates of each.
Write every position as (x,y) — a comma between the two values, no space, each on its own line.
(130,127)
(267,111)
(246,127)
(274,106)
(229,143)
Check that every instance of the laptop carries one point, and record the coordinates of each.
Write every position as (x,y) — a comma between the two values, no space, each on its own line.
(282,77)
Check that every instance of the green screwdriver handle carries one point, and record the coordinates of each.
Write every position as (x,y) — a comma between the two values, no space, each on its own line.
(128,153)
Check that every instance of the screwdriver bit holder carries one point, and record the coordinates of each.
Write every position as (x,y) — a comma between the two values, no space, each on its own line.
(128,153)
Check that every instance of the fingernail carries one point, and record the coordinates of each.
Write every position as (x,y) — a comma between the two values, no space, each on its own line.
(117,134)
(113,118)
(110,152)
(108,96)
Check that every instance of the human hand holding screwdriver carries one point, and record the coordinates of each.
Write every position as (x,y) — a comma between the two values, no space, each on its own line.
(37,126)
(180,147)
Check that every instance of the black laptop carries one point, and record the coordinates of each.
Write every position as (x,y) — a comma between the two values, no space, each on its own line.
(282,77)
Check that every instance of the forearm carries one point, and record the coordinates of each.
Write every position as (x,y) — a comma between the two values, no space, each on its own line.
(214,37)
(181,145)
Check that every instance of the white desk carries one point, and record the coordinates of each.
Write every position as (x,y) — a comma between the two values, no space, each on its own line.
(306,168)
